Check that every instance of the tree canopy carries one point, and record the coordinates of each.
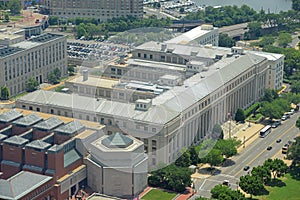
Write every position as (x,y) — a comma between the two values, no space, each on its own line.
(228,147)
(251,185)
(225,192)
(240,115)
(31,84)
(171,177)
(14,6)
(214,157)
(5,93)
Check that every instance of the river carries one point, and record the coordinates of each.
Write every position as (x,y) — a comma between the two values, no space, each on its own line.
(274,6)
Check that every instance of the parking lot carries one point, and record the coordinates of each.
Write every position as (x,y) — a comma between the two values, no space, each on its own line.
(91,50)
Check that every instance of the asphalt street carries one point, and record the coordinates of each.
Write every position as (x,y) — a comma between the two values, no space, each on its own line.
(253,155)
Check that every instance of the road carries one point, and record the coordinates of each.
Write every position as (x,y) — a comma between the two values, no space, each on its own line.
(253,155)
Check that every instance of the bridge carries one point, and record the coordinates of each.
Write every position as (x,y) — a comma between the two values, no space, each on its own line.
(235,31)
(185,25)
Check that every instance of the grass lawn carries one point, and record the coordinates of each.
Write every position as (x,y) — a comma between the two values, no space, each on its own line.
(155,194)
(290,191)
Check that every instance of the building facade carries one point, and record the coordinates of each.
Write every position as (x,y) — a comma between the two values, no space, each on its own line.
(35,58)
(102,10)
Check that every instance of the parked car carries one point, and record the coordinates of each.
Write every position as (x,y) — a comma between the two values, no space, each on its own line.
(226,182)
(284,117)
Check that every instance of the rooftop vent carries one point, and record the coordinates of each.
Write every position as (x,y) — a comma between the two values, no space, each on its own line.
(143,104)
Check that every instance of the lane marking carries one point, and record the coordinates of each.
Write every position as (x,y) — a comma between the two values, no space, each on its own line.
(264,151)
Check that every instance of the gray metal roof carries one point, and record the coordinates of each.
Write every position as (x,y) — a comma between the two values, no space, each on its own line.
(117,140)
(49,124)
(28,120)
(70,128)
(3,137)
(16,140)
(70,157)
(38,144)
(10,116)
(21,184)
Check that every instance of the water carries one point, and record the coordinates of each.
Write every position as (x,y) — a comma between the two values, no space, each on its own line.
(274,6)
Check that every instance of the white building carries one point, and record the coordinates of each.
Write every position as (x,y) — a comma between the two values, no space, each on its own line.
(117,166)
(201,35)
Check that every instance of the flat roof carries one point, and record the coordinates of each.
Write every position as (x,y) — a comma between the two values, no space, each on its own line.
(96,81)
(189,36)
(45,37)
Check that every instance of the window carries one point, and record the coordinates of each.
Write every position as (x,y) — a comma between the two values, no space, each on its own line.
(30,107)
(52,111)
(154,130)
(38,109)
(153,143)
(139,55)
(102,121)
(151,57)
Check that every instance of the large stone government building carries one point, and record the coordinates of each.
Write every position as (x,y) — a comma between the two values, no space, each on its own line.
(102,10)
(214,81)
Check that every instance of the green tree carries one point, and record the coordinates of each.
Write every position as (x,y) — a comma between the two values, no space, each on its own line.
(262,172)
(213,158)
(294,150)
(269,95)
(14,6)
(254,29)
(276,166)
(181,10)
(240,115)
(228,148)
(184,160)
(6,17)
(5,93)
(251,185)
(296,5)
(225,40)
(221,192)
(171,177)
(71,70)
(193,155)
(284,39)
(298,123)
(295,87)
(54,76)
(31,84)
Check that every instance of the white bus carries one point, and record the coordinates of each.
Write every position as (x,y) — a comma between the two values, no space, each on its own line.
(265,131)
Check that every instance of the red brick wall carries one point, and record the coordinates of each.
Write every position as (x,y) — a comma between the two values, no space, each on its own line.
(12,153)
(33,157)
(17,130)
(38,134)
(2,125)
(9,171)
(56,162)
(59,139)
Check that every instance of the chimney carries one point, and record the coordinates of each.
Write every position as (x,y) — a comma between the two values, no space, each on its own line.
(163,47)
(85,74)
